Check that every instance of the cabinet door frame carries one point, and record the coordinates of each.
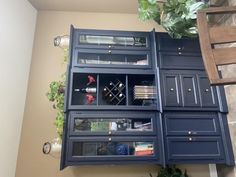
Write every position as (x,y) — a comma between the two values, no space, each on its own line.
(111,158)
(108,52)
(114,33)
(101,115)
(211,116)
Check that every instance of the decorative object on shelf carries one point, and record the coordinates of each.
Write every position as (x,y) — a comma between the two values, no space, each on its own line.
(62,41)
(177,17)
(114,93)
(87,90)
(143,149)
(91,80)
(171,172)
(90,98)
(82,124)
(122,149)
(144,92)
(53,147)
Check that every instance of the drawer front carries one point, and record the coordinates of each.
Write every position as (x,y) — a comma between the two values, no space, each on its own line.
(99,123)
(112,149)
(179,61)
(171,90)
(208,93)
(191,123)
(166,43)
(194,148)
(190,92)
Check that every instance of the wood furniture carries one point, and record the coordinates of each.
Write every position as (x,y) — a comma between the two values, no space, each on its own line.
(141,98)
(211,36)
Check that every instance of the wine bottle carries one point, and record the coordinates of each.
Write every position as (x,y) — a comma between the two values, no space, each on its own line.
(87,90)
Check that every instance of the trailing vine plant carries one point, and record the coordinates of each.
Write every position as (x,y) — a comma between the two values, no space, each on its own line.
(171,172)
(56,95)
(178,17)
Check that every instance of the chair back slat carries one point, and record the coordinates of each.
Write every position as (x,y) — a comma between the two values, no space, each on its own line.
(225,56)
(222,34)
(209,36)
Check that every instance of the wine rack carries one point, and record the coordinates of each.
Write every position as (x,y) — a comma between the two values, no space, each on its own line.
(114,93)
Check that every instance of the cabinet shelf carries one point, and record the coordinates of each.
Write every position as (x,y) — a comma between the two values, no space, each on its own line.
(116,91)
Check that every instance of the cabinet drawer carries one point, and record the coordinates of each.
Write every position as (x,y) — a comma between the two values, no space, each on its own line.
(184,45)
(175,60)
(191,123)
(100,123)
(112,149)
(194,148)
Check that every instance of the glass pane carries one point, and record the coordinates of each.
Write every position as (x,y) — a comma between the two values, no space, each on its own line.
(113,40)
(113,149)
(115,124)
(115,59)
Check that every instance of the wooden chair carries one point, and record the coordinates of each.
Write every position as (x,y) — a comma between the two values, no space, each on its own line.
(210,36)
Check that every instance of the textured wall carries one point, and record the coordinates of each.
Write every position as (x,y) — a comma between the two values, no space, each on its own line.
(39,116)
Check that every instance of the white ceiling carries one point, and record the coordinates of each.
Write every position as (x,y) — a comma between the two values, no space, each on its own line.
(103,6)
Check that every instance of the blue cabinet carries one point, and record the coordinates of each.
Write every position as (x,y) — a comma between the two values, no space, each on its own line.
(141,98)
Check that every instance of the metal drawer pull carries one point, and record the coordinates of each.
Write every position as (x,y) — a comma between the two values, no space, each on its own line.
(179,48)
(207,90)
(189,90)
(189,132)
(172,89)
(180,53)
(109,51)
(109,139)
(109,46)
(109,132)
(190,139)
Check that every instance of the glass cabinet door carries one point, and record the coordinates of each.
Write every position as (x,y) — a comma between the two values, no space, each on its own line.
(111,58)
(107,124)
(111,41)
(112,148)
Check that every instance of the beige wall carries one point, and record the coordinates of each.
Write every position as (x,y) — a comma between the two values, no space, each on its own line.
(39,116)
(17,26)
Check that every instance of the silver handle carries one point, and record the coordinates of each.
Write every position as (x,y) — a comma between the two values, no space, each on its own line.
(207,90)
(109,139)
(172,89)
(190,139)
(109,46)
(109,51)
(180,53)
(189,90)
(109,132)
(189,132)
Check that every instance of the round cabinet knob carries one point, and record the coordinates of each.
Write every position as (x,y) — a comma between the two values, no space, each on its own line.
(189,90)
(207,90)
(109,46)
(190,139)
(109,139)
(189,132)
(109,132)
(172,89)
(109,51)
(180,53)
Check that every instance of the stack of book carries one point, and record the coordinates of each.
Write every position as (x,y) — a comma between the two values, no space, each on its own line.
(144,149)
(144,92)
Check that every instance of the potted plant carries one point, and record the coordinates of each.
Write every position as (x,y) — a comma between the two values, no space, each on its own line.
(171,172)
(178,17)
(56,96)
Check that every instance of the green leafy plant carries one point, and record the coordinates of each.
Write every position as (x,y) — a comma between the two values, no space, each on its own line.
(56,96)
(171,172)
(178,17)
